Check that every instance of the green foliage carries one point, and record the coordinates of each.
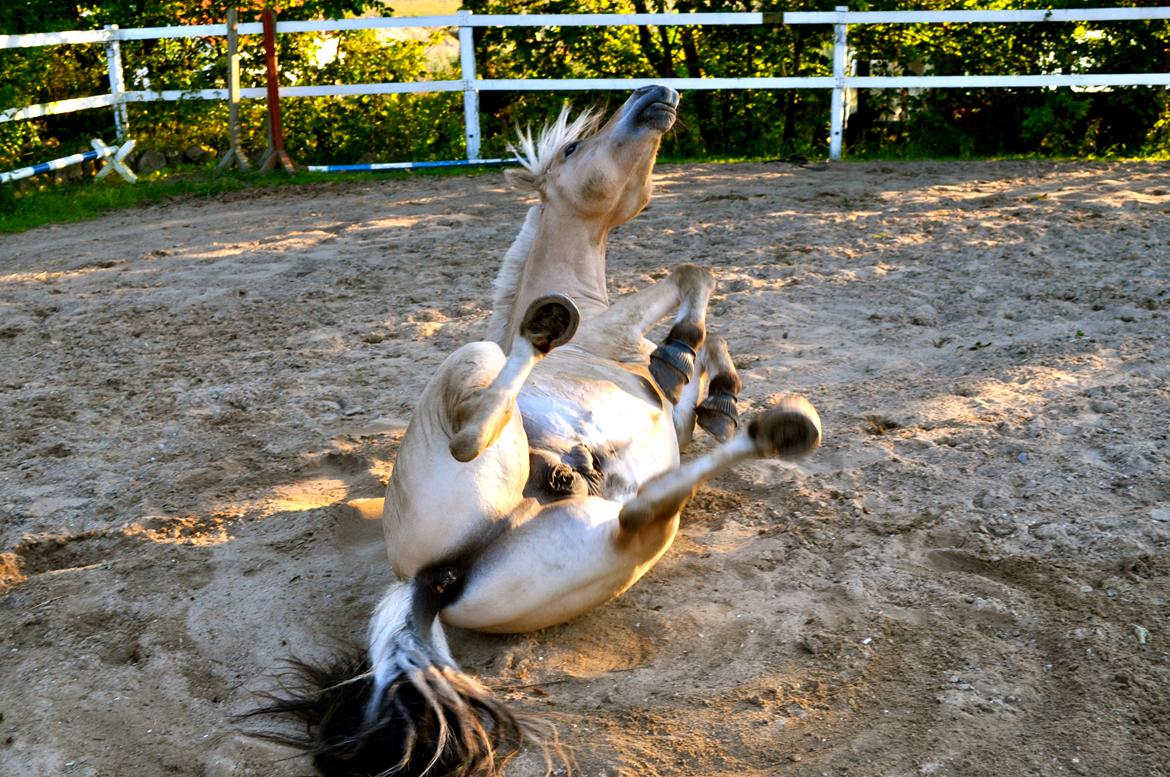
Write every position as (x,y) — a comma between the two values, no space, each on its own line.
(981,122)
(374,127)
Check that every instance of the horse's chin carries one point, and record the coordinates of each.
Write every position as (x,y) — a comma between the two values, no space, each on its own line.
(658,115)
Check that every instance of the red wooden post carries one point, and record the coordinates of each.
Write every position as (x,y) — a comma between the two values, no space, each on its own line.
(275,152)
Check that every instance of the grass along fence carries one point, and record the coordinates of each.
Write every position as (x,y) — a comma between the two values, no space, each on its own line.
(839,82)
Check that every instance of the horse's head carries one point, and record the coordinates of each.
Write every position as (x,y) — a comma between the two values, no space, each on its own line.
(600,176)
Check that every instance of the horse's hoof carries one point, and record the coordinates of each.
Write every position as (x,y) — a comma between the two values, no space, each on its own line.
(671,365)
(550,321)
(718,416)
(788,430)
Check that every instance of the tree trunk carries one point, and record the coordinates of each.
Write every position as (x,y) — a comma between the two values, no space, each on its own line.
(703,113)
(788,138)
(660,61)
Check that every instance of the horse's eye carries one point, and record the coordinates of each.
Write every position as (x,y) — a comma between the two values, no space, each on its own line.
(569,149)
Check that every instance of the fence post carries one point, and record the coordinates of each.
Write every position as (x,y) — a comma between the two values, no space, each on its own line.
(117,85)
(275,153)
(837,107)
(470,95)
(235,150)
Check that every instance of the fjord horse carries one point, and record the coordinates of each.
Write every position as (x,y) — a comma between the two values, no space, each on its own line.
(540,474)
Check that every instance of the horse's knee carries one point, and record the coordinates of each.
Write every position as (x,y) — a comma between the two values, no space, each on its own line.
(472,366)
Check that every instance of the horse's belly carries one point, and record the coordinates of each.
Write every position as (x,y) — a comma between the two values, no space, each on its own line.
(630,438)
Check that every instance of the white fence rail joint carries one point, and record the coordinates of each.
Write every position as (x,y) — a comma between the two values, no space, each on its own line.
(471,85)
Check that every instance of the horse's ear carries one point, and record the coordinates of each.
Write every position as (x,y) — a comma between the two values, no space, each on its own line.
(522,179)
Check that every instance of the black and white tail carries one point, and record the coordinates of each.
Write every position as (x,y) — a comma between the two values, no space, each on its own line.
(403,707)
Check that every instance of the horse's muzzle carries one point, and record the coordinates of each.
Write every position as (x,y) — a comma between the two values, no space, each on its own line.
(656,106)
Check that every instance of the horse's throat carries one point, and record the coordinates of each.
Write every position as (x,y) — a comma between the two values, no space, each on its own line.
(567,257)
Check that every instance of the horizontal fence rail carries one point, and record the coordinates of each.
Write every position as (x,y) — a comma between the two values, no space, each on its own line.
(842,81)
(470,85)
(975,17)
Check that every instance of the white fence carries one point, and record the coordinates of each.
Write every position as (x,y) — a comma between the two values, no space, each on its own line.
(470,85)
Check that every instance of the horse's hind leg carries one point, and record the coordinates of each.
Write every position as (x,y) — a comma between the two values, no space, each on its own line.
(463,462)
(788,430)
(478,419)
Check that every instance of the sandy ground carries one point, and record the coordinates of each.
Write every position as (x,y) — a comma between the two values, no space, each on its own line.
(971,577)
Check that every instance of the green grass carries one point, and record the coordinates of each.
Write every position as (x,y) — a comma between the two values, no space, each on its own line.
(69,203)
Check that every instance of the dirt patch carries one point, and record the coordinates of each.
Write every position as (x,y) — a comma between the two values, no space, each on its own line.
(969,578)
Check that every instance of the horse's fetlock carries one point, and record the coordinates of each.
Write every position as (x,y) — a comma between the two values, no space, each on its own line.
(725,383)
(690,333)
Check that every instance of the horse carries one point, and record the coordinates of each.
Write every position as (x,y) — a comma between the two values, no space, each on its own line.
(540,475)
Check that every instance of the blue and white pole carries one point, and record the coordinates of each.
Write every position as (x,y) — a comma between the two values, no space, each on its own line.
(100,151)
(404,165)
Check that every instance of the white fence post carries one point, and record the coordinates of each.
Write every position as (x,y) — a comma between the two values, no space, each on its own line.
(837,108)
(470,94)
(117,85)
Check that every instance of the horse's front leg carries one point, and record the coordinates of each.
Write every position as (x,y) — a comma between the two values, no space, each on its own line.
(715,375)
(688,363)
(788,430)
(479,418)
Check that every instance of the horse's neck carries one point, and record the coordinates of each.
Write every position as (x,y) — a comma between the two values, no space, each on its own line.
(552,254)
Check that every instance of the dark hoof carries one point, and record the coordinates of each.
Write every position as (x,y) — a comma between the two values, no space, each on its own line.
(788,430)
(550,321)
(671,365)
(717,415)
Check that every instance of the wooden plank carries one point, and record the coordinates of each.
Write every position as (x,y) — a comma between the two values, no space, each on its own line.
(970,82)
(371,23)
(235,152)
(581,20)
(178,31)
(276,153)
(692,84)
(837,100)
(977,17)
(117,84)
(58,107)
(521,20)
(53,38)
(375,166)
(346,90)
(612,20)
(470,93)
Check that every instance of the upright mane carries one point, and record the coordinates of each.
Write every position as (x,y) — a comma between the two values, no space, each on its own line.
(535,156)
